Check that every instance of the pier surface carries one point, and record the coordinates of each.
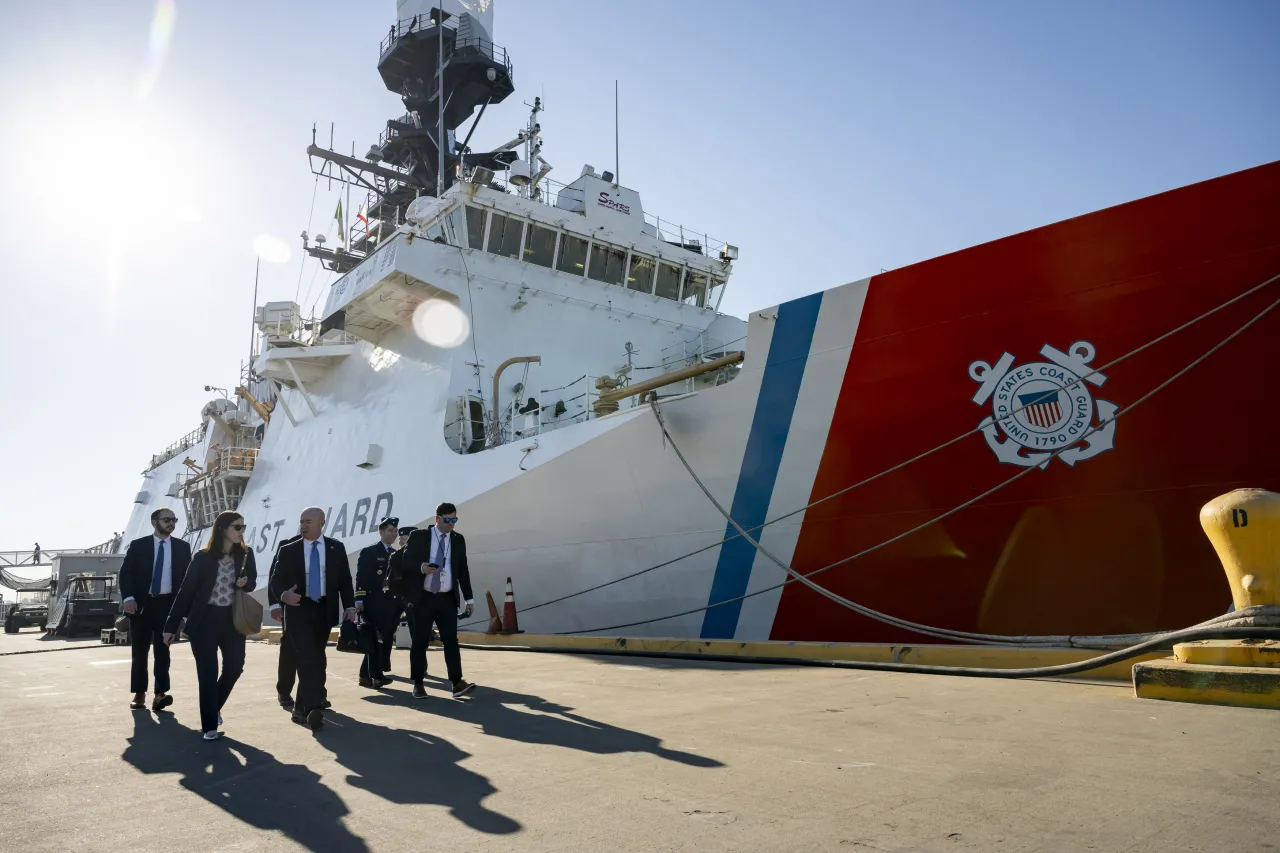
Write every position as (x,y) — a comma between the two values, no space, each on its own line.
(578,753)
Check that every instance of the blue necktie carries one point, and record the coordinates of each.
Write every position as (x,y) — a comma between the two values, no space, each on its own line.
(314,587)
(158,571)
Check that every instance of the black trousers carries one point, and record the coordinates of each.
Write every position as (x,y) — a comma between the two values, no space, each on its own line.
(287,668)
(440,609)
(146,633)
(374,661)
(389,634)
(216,633)
(308,635)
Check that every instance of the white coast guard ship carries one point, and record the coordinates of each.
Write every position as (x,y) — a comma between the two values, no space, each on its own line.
(493,337)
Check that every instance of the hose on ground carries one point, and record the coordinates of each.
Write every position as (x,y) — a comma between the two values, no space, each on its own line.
(1163,641)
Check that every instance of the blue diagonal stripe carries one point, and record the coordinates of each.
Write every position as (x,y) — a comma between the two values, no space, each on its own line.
(779,388)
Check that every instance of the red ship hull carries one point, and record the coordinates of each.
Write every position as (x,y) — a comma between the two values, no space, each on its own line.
(1111,544)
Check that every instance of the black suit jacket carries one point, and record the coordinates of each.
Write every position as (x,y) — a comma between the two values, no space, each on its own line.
(291,571)
(272,598)
(192,600)
(140,562)
(417,551)
(371,572)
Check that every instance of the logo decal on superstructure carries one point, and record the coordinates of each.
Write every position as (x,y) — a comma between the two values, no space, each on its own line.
(1044,406)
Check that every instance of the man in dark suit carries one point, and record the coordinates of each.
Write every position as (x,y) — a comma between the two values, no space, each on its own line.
(437,584)
(150,576)
(397,597)
(375,604)
(287,668)
(312,577)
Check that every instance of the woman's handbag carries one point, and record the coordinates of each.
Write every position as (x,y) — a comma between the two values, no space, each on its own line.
(246,612)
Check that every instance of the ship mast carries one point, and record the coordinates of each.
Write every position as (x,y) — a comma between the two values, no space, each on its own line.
(440,59)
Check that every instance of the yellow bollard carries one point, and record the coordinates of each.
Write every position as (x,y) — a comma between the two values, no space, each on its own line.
(1244,529)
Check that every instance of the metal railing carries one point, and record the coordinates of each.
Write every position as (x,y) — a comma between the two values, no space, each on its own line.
(548,192)
(189,440)
(235,459)
(421,23)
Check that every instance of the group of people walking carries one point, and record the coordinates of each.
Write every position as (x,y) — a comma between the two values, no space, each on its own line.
(309,590)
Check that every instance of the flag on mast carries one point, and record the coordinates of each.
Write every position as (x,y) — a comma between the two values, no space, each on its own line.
(342,228)
(362,217)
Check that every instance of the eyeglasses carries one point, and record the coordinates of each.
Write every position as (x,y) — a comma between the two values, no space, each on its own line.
(453,520)
(236,527)
(168,520)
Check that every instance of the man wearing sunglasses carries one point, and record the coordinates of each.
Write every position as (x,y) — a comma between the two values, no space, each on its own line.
(150,575)
(437,584)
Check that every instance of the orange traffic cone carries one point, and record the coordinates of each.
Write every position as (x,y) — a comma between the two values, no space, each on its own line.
(495,622)
(509,623)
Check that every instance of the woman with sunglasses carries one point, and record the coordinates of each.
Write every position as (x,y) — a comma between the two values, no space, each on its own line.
(208,591)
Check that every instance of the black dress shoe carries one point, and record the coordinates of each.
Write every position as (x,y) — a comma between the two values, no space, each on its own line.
(162,702)
(286,701)
(326,704)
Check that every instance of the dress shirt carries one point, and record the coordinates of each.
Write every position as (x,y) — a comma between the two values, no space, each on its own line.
(446,571)
(166,573)
(307,547)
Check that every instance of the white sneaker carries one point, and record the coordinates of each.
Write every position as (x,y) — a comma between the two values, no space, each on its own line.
(212,735)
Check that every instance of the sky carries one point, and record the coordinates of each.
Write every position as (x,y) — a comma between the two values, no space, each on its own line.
(148,145)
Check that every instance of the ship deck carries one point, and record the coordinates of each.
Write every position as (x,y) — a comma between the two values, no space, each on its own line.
(581,753)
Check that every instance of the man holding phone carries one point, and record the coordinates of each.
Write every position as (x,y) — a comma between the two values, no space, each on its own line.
(437,584)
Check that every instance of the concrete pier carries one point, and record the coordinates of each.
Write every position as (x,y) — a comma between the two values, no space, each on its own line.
(580,753)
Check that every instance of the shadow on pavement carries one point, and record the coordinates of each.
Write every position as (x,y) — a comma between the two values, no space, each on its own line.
(412,768)
(497,714)
(247,783)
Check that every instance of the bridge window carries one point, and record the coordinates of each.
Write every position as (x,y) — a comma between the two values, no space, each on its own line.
(640,275)
(606,263)
(539,245)
(504,235)
(475,227)
(717,287)
(450,228)
(695,288)
(668,286)
(573,255)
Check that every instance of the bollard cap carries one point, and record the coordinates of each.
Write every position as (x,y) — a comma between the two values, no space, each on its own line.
(1244,528)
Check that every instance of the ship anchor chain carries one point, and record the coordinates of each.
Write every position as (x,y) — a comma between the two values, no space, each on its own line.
(1042,407)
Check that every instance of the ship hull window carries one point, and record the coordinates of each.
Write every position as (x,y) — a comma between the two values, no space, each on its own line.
(695,288)
(540,246)
(504,235)
(573,255)
(640,274)
(475,227)
(606,264)
(668,285)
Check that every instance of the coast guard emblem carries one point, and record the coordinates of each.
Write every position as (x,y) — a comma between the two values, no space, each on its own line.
(1043,406)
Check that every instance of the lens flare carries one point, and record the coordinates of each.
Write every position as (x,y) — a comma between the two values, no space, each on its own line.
(441,324)
(162,21)
(271,249)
